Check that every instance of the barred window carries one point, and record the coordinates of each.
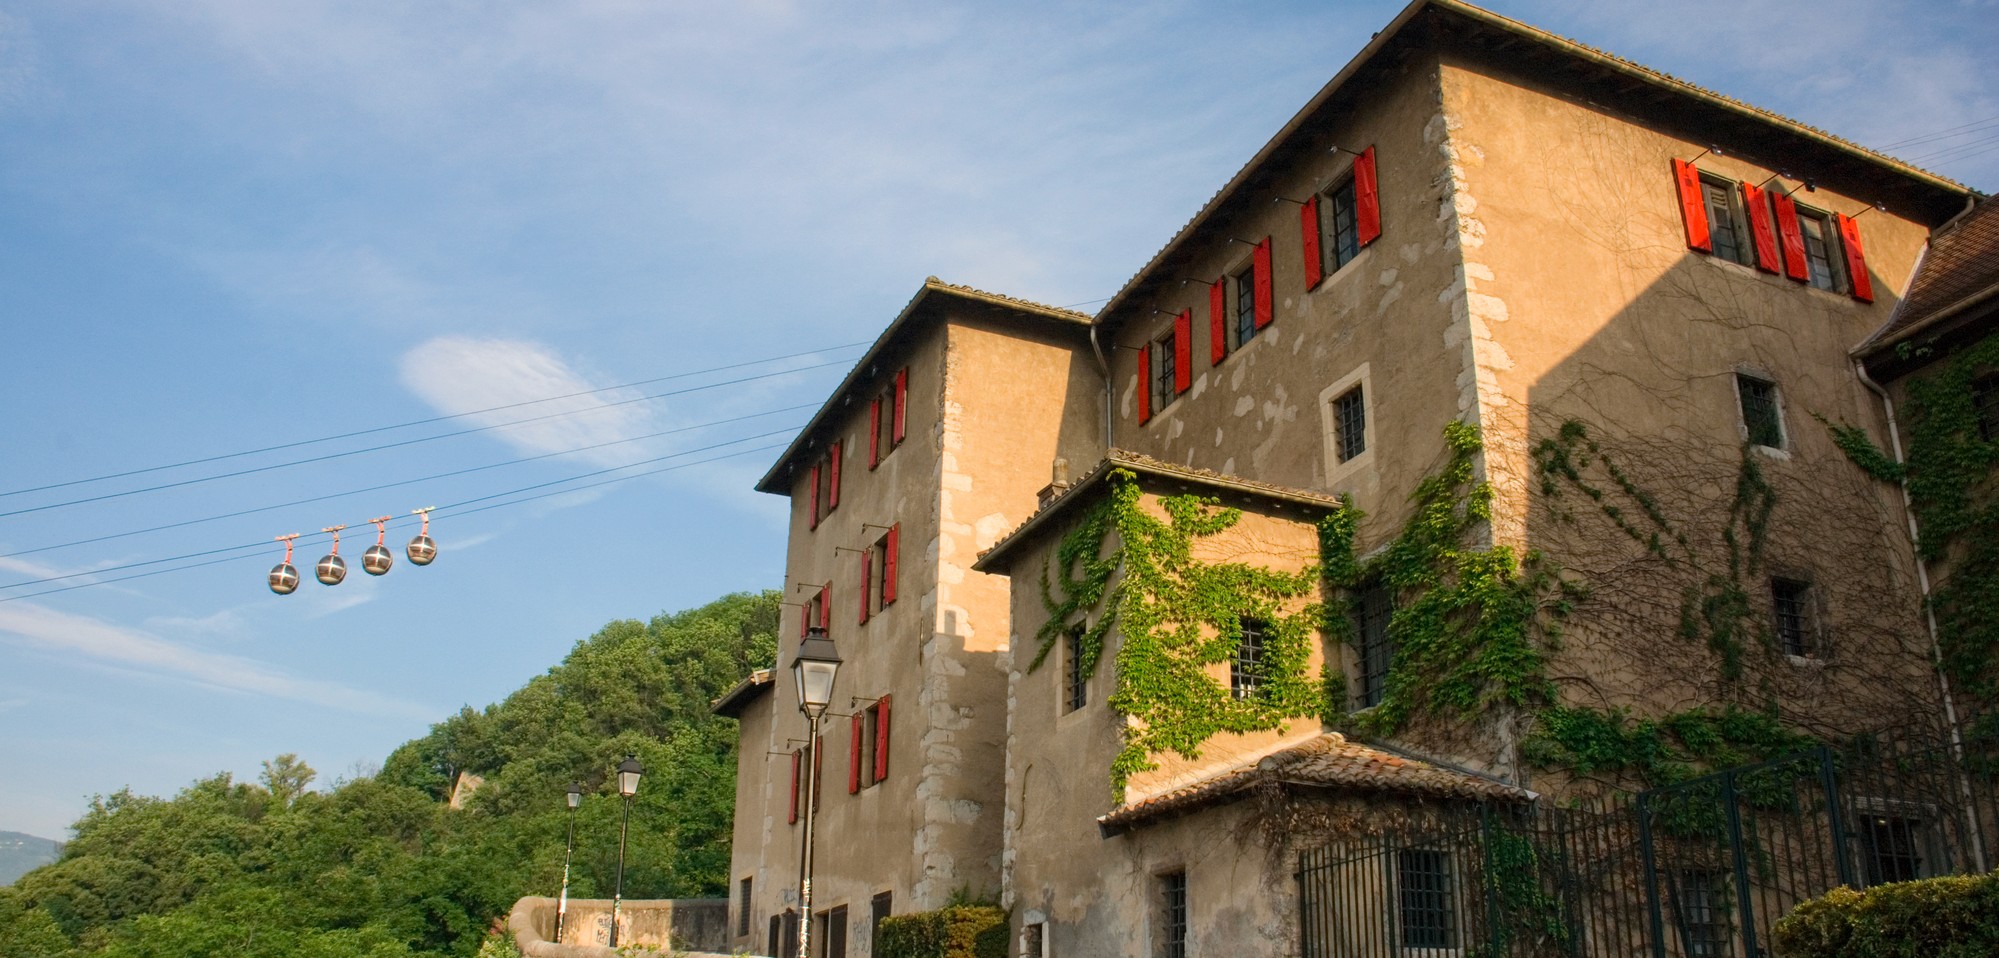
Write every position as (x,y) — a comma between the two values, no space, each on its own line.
(1350,423)
(1075,681)
(1247,667)
(1762,418)
(1423,891)
(1703,912)
(1162,372)
(1173,915)
(1892,848)
(1371,610)
(743,907)
(1339,226)
(1791,600)
(1244,328)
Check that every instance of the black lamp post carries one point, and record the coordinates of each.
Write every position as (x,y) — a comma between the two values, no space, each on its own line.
(628,785)
(813,671)
(575,796)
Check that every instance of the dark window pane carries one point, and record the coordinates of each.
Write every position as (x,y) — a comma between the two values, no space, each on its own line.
(1759,411)
(1818,253)
(1791,600)
(1350,424)
(1162,373)
(1721,225)
(1893,848)
(1985,399)
(1247,666)
(1244,328)
(1173,915)
(1702,912)
(1340,227)
(1423,884)
(1072,668)
(1371,609)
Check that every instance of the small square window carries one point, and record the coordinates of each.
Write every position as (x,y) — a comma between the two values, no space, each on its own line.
(1985,401)
(1339,226)
(1163,357)
(1372,607)
(1897,847)
(1173,915)
(1242,324)
(1791,601)
(1424,896)
(1762,417)
(1724,221)
(1075,681)
(1246,669)
(1350,423)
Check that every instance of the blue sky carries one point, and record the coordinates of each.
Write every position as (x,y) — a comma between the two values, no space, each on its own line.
(230,224)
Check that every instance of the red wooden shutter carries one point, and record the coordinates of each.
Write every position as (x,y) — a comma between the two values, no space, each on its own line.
(812,516)
(854,755)
(1856,261)
(1692,209)
(1183,350)
(791,817)
(1792,237)
(881,739)
(1308,232)
(826,606)
(1264,307)
(1366,199)
(1757,202)
(804,619)
(867,586)
(1144,383)
(1218,321)
(888,564)
(875,433)
(833,456)
(901,404)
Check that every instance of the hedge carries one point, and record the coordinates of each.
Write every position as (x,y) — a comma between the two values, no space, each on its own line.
(955,931)
(1955,917)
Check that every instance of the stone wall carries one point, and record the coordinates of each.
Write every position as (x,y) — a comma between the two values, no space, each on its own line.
(667,927)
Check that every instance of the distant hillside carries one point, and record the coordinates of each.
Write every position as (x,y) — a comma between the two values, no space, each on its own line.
(21,854)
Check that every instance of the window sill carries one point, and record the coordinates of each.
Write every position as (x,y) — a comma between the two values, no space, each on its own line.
(1805,661)
(1771,452)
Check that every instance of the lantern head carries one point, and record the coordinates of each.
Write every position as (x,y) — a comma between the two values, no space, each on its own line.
(813,670)
(628,776)
(574,794)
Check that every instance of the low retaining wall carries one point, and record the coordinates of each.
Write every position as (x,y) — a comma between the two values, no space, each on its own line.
(678,926)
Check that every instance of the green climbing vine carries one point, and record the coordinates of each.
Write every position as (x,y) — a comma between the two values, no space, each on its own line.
(1715,608)
(1952,476)
(1178,617)
(1468,629)
(1658,750)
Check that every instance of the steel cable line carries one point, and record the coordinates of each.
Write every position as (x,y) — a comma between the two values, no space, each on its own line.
(564,452)
(497,505)
(434,419)
(407,442)
(337,495)
(1943,134)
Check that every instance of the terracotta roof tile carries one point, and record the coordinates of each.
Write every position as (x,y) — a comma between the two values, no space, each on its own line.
(1961,262)
(1328,761)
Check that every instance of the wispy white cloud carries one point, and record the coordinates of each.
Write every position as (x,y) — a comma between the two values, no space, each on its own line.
(109,644)
(457,374)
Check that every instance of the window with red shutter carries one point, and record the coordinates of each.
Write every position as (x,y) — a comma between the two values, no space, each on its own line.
(1145,384)
(889,550)
(875,433)
(867,583)
(833,483)
(1218,321)
(826,606)
(1308,237)
(812,501)
(854,755)
(1862,287)
(1693,205)
(1761,232)
(1183,351)
(901,409)
(1265,309)
(1791,237)
(881,739)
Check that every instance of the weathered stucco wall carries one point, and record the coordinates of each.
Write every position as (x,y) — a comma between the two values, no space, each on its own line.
(681,926)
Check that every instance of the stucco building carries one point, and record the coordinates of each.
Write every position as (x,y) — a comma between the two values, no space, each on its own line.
(1485,410)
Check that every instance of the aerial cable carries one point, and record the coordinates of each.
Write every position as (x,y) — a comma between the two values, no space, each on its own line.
(437,419)
(407,442)
(448,508)
(238,558)
(232,515)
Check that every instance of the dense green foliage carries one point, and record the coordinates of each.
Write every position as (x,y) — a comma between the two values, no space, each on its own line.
(1180,617)
(955,931)
(1952,476)
(1934,918)
(381,866)
(1660,750)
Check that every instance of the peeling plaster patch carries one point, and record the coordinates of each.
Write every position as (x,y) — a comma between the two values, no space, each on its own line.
(1179,426)
(1388,276)
(1394,293)
(1411,252)
(1235,378)
(1200,386)
(1228,468)
(1244,404)
(989,529)
(1218,436)
(1125,401)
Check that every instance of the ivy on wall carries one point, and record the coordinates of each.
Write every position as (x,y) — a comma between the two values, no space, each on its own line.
(1658,750)
(1952,476)
(1179,618)
(1468,629)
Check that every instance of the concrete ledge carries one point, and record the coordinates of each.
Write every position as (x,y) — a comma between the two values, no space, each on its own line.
(680,927)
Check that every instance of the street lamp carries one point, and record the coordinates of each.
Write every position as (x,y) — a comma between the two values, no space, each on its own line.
(575,796)
(813,670)
(628,785)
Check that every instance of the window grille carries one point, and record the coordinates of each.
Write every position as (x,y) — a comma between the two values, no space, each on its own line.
(1173,915)
(743,908)
(1371,609)
(1723,230)
(1076,682)
(1761,417)
(1162,373)
(1247,666)
(1792,603)
(1702,904)
(1892,848)
(1423,892)
(1244,329)
(1350,423)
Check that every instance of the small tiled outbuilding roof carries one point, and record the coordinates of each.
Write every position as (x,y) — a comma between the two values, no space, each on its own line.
(1960,269)
(1206,480)
(1328,762)
(736,699)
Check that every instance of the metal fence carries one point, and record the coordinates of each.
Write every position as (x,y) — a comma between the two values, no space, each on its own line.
(1700,869)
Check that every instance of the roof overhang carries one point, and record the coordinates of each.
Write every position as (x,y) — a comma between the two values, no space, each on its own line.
(733,702)
(933,294)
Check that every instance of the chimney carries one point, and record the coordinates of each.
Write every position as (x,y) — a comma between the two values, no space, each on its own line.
(1059,485)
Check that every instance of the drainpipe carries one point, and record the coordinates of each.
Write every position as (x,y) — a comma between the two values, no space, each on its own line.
(1929,614)
(1110,404)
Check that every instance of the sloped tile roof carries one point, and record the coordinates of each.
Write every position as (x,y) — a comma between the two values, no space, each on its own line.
(736,699)
(1328,761)
(1961,265)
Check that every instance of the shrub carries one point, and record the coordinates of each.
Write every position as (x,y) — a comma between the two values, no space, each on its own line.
(955,931)
(1954,917)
